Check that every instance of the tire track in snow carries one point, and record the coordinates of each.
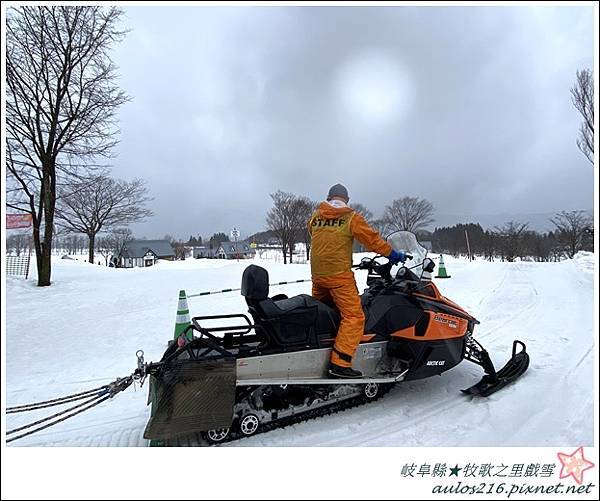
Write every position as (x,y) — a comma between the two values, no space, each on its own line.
(126,437)
(582,359)
(496,289)
(531,301)
(550,355)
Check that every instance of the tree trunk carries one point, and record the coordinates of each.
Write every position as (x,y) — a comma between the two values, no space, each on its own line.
(91,245)
(43,256)
(43,245)
(38,254)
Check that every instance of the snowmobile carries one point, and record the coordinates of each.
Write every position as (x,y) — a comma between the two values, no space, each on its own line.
(230,381)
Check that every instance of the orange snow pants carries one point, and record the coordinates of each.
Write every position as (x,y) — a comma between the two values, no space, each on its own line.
(341,290)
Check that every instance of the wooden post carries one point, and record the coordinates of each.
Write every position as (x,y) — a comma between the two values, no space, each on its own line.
(468,246)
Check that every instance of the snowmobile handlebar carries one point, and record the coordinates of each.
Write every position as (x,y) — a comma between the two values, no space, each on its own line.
(373,266)
(370,263)
(384,270)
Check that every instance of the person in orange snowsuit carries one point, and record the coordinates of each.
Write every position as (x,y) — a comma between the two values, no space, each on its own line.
(332,228)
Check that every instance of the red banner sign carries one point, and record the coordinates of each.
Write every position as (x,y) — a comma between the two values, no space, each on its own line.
(14,221)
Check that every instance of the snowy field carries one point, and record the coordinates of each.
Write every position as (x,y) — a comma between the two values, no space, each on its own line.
(84,331)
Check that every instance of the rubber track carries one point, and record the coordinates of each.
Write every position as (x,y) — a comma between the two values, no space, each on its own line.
(197,440)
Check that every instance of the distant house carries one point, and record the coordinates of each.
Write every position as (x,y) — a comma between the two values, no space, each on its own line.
(197,251)
(139,253)
(234,250)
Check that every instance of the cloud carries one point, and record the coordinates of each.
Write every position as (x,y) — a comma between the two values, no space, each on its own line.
(466,106)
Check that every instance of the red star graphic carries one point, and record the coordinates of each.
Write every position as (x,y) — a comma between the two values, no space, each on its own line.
(574,464)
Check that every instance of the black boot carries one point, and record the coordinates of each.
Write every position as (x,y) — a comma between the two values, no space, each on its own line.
(339,372)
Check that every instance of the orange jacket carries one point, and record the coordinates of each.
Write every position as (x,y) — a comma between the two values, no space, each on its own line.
(332,230)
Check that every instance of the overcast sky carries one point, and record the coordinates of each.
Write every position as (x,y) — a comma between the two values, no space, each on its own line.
(468,107)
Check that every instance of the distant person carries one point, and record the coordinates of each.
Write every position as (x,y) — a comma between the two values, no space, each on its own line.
(333,227)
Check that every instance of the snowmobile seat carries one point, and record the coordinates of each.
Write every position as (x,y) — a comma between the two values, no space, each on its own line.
(328,320)
(276,308)
(289,321)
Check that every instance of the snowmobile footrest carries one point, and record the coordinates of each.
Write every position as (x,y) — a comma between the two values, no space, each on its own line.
(392,378)
(514,368)
(191,396)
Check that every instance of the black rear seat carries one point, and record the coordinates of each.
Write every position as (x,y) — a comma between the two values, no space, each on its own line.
(294,321)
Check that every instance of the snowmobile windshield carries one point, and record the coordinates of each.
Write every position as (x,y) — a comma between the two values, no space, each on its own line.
(407,241)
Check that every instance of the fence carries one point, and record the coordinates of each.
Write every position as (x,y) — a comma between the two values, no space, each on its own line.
(18,265)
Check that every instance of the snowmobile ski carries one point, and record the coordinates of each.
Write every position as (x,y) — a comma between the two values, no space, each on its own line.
(512,370)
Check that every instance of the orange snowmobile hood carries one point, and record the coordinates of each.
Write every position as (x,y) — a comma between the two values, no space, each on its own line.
(328,211)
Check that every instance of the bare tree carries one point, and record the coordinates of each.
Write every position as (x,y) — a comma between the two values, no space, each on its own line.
(112,245)
(511,239)
(81,243)
(301,212)
(382,226)
(408,213)
(119,238)
(572,229)
(280,220)
(68,243)
(101,203)
(74,244)
(104,245)
(17,243)
(363,211)
(582,96)
(61,103)
(178,249)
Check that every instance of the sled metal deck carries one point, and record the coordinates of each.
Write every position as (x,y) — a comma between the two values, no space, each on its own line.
(310,367)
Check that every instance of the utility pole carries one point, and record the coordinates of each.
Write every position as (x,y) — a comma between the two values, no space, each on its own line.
(468,246)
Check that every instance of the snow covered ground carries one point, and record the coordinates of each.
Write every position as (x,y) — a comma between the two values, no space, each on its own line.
(84,331)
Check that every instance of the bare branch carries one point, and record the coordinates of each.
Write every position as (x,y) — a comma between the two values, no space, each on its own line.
(100,204)
(363,211)
(61,104)
(572,229)
(510,239)
(408,213)
(582,95)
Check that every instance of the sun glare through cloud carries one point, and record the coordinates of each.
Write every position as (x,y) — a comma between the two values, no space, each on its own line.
(375,87)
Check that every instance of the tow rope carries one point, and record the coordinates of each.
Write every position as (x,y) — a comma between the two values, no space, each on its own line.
(91,398)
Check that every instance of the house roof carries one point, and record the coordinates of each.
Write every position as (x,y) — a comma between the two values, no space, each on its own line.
(242,247)
(139,248)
